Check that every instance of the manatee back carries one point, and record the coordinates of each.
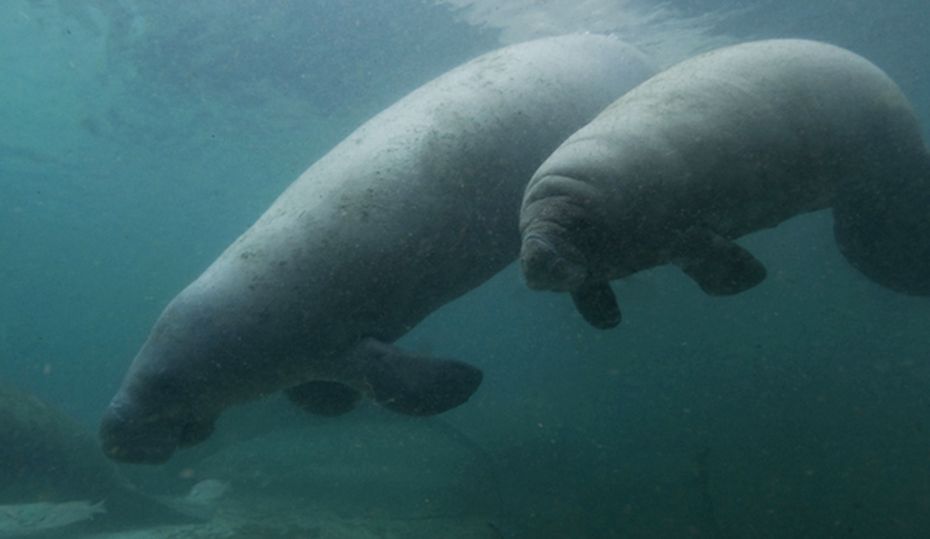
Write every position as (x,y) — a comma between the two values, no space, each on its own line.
(787,118)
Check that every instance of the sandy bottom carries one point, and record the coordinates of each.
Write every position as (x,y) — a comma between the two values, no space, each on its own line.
(267,519)
(316,528)
(403,480)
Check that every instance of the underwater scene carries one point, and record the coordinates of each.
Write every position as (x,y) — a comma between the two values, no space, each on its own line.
(390,269)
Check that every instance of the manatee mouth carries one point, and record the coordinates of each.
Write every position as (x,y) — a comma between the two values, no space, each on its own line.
(544,268)
(131,437)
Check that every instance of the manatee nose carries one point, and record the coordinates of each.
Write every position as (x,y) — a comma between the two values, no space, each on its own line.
(126,436)
(545,269)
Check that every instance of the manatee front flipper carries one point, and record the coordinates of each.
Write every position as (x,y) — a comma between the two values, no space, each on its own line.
(718,265)
(324,398)
(597,304)
(414,385)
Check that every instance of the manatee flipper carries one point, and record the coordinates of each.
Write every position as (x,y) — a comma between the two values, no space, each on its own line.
(597,304)
(414,385)
(324,398)
(718,265)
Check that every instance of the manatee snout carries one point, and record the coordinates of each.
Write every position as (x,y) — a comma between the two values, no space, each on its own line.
(130,434)
(546,268)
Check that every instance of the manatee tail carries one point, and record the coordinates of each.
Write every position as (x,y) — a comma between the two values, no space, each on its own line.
(415,385)
(883,227)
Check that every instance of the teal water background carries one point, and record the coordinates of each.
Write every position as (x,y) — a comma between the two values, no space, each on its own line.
(138,139)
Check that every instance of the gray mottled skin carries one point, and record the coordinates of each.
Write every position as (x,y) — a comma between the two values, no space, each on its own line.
(414,208)
(721,145)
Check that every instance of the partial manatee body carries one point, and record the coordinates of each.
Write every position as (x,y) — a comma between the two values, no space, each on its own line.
(413,209)
(721,145)
(45,456)
(53,474)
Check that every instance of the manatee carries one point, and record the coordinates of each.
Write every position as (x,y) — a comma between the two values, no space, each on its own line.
(727,143)
(53,474)
(413,209)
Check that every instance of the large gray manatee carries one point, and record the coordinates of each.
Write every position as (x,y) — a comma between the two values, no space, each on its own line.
(413,209)
(721,145)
